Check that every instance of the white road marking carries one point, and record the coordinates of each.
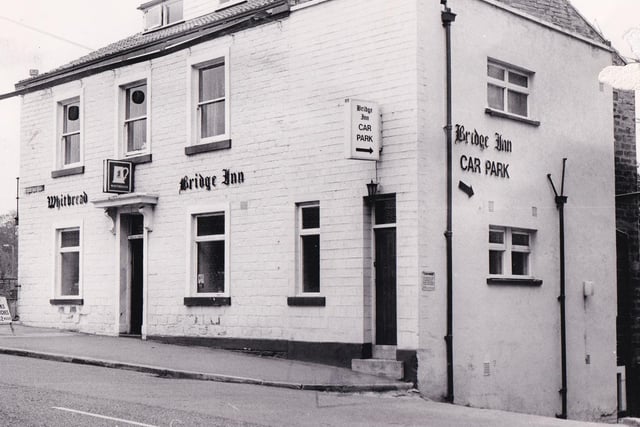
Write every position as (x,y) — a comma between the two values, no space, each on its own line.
(104,417)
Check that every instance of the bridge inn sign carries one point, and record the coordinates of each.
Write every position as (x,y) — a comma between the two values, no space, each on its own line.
(476,165)
(250,224)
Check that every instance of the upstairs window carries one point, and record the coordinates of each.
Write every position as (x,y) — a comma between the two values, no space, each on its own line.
(211,100)
(69,133)
(508,89)
(135,120)
(159,14)
(208,113)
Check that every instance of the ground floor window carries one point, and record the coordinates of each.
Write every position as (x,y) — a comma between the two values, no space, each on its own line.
(209,253)
(68,262)
(309,247)
(510,251)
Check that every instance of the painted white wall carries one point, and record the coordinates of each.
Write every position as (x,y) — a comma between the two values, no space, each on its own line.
(517,329)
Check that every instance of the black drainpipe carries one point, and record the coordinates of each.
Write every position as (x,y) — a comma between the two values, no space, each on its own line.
(561,200)
(447,18)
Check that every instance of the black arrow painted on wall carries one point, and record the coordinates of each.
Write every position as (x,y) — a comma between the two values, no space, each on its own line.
(467,189)
(365,150)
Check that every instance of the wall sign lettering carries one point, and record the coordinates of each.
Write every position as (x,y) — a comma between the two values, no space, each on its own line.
(477,165)
(209,182)
(64,200)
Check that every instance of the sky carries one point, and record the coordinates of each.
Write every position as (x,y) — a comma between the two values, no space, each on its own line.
(43,34)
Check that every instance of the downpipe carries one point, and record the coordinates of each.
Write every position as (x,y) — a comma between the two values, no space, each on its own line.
(561,200)
(447,18)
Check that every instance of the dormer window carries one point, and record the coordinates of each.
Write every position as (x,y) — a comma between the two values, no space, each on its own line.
(160,13)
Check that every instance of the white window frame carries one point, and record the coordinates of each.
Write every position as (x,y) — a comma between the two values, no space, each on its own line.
(57,262)
(162,6)
(300,233)
(223,4)
(508,86)
(60,101)
(192,248)
(194,64)
(121,87)
(507,248)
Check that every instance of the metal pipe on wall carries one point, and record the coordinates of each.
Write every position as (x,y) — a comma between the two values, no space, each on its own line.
(561,200)
(447,18)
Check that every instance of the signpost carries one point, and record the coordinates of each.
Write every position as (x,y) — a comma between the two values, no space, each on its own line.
(5,314)
(363,137)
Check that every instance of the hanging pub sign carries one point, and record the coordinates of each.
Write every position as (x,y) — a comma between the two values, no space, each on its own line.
(117,176)
(363,138)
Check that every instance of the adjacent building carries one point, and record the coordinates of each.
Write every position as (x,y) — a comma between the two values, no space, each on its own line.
(272,175)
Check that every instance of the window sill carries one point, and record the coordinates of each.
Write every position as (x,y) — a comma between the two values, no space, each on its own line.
(502,114)
(205,148)
(513,281)
(207,301)
(306,301)
(66,301)
(138,159)
(78,170)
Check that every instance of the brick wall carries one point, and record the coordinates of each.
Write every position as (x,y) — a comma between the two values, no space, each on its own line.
(627,223)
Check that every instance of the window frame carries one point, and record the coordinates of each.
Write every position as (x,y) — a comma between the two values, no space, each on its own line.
(58,229)
(224,4)
(60,102)
(162,6)
(300,233)
(507,86)
(508,248)
(192,249)
(194,122)
(121,137)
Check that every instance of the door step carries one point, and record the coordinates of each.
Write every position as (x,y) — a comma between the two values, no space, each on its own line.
(387,352)
(385,368)
(383,363)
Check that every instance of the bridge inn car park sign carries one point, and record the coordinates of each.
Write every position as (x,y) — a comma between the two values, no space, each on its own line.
(476,165)
(362,124)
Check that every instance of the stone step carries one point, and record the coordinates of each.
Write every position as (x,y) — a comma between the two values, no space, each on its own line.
(387,368)
(387,352)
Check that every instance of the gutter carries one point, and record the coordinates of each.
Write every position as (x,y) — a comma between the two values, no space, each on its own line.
(155,49)
(447,18)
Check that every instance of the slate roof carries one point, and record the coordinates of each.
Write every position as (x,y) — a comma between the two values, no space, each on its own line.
(560,13)
(142,39)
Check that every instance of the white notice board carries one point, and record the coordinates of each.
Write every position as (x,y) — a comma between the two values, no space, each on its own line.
(5,314)
(363,137)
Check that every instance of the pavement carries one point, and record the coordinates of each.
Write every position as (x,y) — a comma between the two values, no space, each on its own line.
(189,362)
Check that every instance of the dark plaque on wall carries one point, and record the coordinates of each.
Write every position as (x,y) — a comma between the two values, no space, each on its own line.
(117,176)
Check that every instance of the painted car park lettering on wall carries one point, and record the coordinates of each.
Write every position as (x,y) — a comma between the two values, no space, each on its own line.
(476,165)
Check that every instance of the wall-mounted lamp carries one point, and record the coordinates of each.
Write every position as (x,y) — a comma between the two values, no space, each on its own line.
(372,190)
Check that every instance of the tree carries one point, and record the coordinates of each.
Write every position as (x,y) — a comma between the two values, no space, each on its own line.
(8,246)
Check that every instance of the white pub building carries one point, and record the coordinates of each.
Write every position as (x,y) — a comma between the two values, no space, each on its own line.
(354,182)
